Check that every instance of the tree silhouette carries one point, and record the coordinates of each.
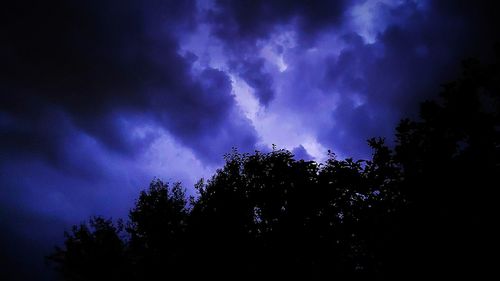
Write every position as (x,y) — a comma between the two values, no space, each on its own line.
(423,208)
(449,160)
(157,229)
(92,251)
(270,214)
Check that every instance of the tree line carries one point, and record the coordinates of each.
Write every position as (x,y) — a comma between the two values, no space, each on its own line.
(421,208)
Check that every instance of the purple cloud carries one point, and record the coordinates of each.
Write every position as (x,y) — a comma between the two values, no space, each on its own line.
(99,97)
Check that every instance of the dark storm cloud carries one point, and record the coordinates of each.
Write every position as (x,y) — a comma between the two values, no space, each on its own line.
(251,20)
(301,153)
(207,121)
(88,88)
(254,73)
(240,24)
(384,81)
(102,62)
(377,78)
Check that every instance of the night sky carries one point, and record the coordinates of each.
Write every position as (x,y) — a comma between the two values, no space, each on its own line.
(99,97)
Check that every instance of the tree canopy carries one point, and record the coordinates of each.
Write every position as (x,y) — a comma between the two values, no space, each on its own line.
(422,207)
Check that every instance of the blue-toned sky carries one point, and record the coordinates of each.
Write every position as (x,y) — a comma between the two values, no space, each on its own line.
(99,97)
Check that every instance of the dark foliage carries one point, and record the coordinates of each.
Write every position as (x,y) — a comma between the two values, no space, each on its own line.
(419,210)
(93,251)
(157,229)
(450,164)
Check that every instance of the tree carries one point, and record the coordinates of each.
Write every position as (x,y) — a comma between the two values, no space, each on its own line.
(92,251)
(450,163)
(275,216)
(423,208)
(157,228)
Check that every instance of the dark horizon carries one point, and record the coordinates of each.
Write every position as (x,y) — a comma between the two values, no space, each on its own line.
(97,98)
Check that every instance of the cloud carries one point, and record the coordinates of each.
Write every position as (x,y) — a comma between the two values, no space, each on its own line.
(98,97)
(242,21)
(254,74)
(301,153)
(242,25)
(352,76)
(104,64)
(383,81)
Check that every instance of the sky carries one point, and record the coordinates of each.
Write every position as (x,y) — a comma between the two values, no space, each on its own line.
(97,98)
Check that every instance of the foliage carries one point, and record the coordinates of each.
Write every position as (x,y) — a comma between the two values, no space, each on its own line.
(92,251)
(157,228)
(423,207)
